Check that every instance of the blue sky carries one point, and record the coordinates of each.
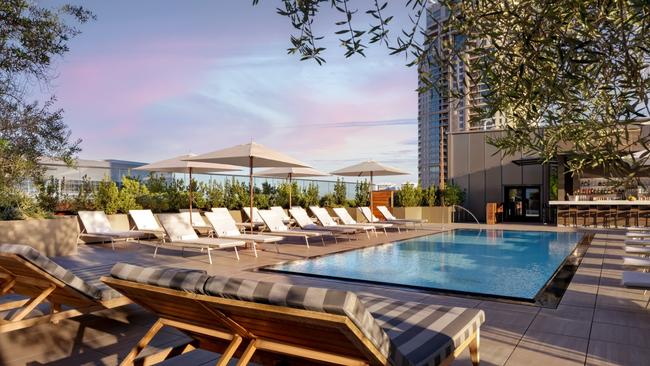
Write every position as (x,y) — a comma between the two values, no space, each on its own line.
(149,80)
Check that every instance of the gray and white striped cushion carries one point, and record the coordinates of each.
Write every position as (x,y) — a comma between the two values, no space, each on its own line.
(423,334)
(97,291)
(189,280)
(310,298)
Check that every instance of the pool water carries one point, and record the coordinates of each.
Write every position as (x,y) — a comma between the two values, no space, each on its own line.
(499,263)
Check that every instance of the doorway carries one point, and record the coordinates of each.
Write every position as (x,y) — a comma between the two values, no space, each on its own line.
(522,203)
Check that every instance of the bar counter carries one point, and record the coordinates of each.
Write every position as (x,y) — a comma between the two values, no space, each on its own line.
(603,213)
(601,203)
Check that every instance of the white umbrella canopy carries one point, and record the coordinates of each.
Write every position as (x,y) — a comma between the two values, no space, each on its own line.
(290,173)
(178,165)
(369,168)
(251,155)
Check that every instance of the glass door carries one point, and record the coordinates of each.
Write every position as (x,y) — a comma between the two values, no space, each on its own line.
(523,203)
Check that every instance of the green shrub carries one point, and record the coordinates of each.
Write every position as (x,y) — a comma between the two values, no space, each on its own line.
(281,195)
(328,200)
(156,183)
(85,198)
(16,205)
(310,196)
(452,195)
(129,194)
(429,196)
(236,195)
(340,194)
(261,201)
(362,194)
(156,202)
(408,196)
(106,197)
(49,194)
(213,193)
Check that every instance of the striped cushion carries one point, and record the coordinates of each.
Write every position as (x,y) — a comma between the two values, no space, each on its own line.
(423,334)
(309,298)
(188,280)
(95,291)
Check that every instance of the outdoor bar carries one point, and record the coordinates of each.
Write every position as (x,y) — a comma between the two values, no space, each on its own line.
(600,202)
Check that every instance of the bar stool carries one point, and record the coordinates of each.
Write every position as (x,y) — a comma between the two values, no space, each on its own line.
(583,212)
(593,214)
(613,214)
(564,213)
(624,212)
(573,214)
(603,211)
(643,213)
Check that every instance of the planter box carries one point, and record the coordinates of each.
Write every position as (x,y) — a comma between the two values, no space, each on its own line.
(52,237)
(434,215)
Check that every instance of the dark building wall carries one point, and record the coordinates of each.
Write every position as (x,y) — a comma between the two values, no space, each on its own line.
(482,172)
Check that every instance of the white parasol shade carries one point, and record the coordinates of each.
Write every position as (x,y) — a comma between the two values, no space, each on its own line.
(178,165)
(251,155)
(370,169)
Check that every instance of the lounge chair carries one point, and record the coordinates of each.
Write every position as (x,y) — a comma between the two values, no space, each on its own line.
(275,323)
(96,224)
(305,223)
(639,280)
(225,228)
(636,262)
(182,234)
(371,218)
(283,215)
(345,217)
(27,272)
(146,222)
(637,235)
(277,227)
(637,242)
(326,220)
(643,251)
(197,221)
(390,217)
(242,226)
(257,220)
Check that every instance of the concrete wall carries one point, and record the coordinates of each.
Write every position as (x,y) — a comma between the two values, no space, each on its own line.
(482,172)
(53,237)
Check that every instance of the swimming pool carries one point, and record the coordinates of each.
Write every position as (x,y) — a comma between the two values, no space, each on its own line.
(497,263)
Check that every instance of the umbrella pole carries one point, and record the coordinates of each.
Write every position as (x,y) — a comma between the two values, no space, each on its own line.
(190,196)
(250,164)
(290,189)
(372,209)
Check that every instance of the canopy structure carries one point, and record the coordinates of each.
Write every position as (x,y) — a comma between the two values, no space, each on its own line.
(251,155)
(369,168)
(290,173)
(178,165)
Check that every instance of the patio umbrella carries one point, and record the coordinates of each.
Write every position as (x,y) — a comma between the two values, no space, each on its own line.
(178,165)
(290,173)
(251,155)
(370,169)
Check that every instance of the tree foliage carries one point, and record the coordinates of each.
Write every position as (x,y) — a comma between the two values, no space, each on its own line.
(362,194)
(569,76)
(31,37)
(409,195)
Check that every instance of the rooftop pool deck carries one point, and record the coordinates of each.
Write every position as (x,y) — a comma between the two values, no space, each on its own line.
(597,322)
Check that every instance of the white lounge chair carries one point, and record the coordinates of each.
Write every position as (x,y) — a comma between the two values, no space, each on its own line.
(637,242)
(326,220)
(390,217)
(283,215)
(643,251)
(96,224)
(197,221)
(345,217)
(276,226)
(370,217)
(636,262)
(182,234)
(145,221)
(256,218)
(225,228)
(305,223)
(637,235)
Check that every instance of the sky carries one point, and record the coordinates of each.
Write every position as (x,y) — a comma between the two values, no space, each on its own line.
(149,80)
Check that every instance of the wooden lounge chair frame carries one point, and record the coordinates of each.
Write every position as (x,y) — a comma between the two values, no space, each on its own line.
(24,278)
(267,331)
